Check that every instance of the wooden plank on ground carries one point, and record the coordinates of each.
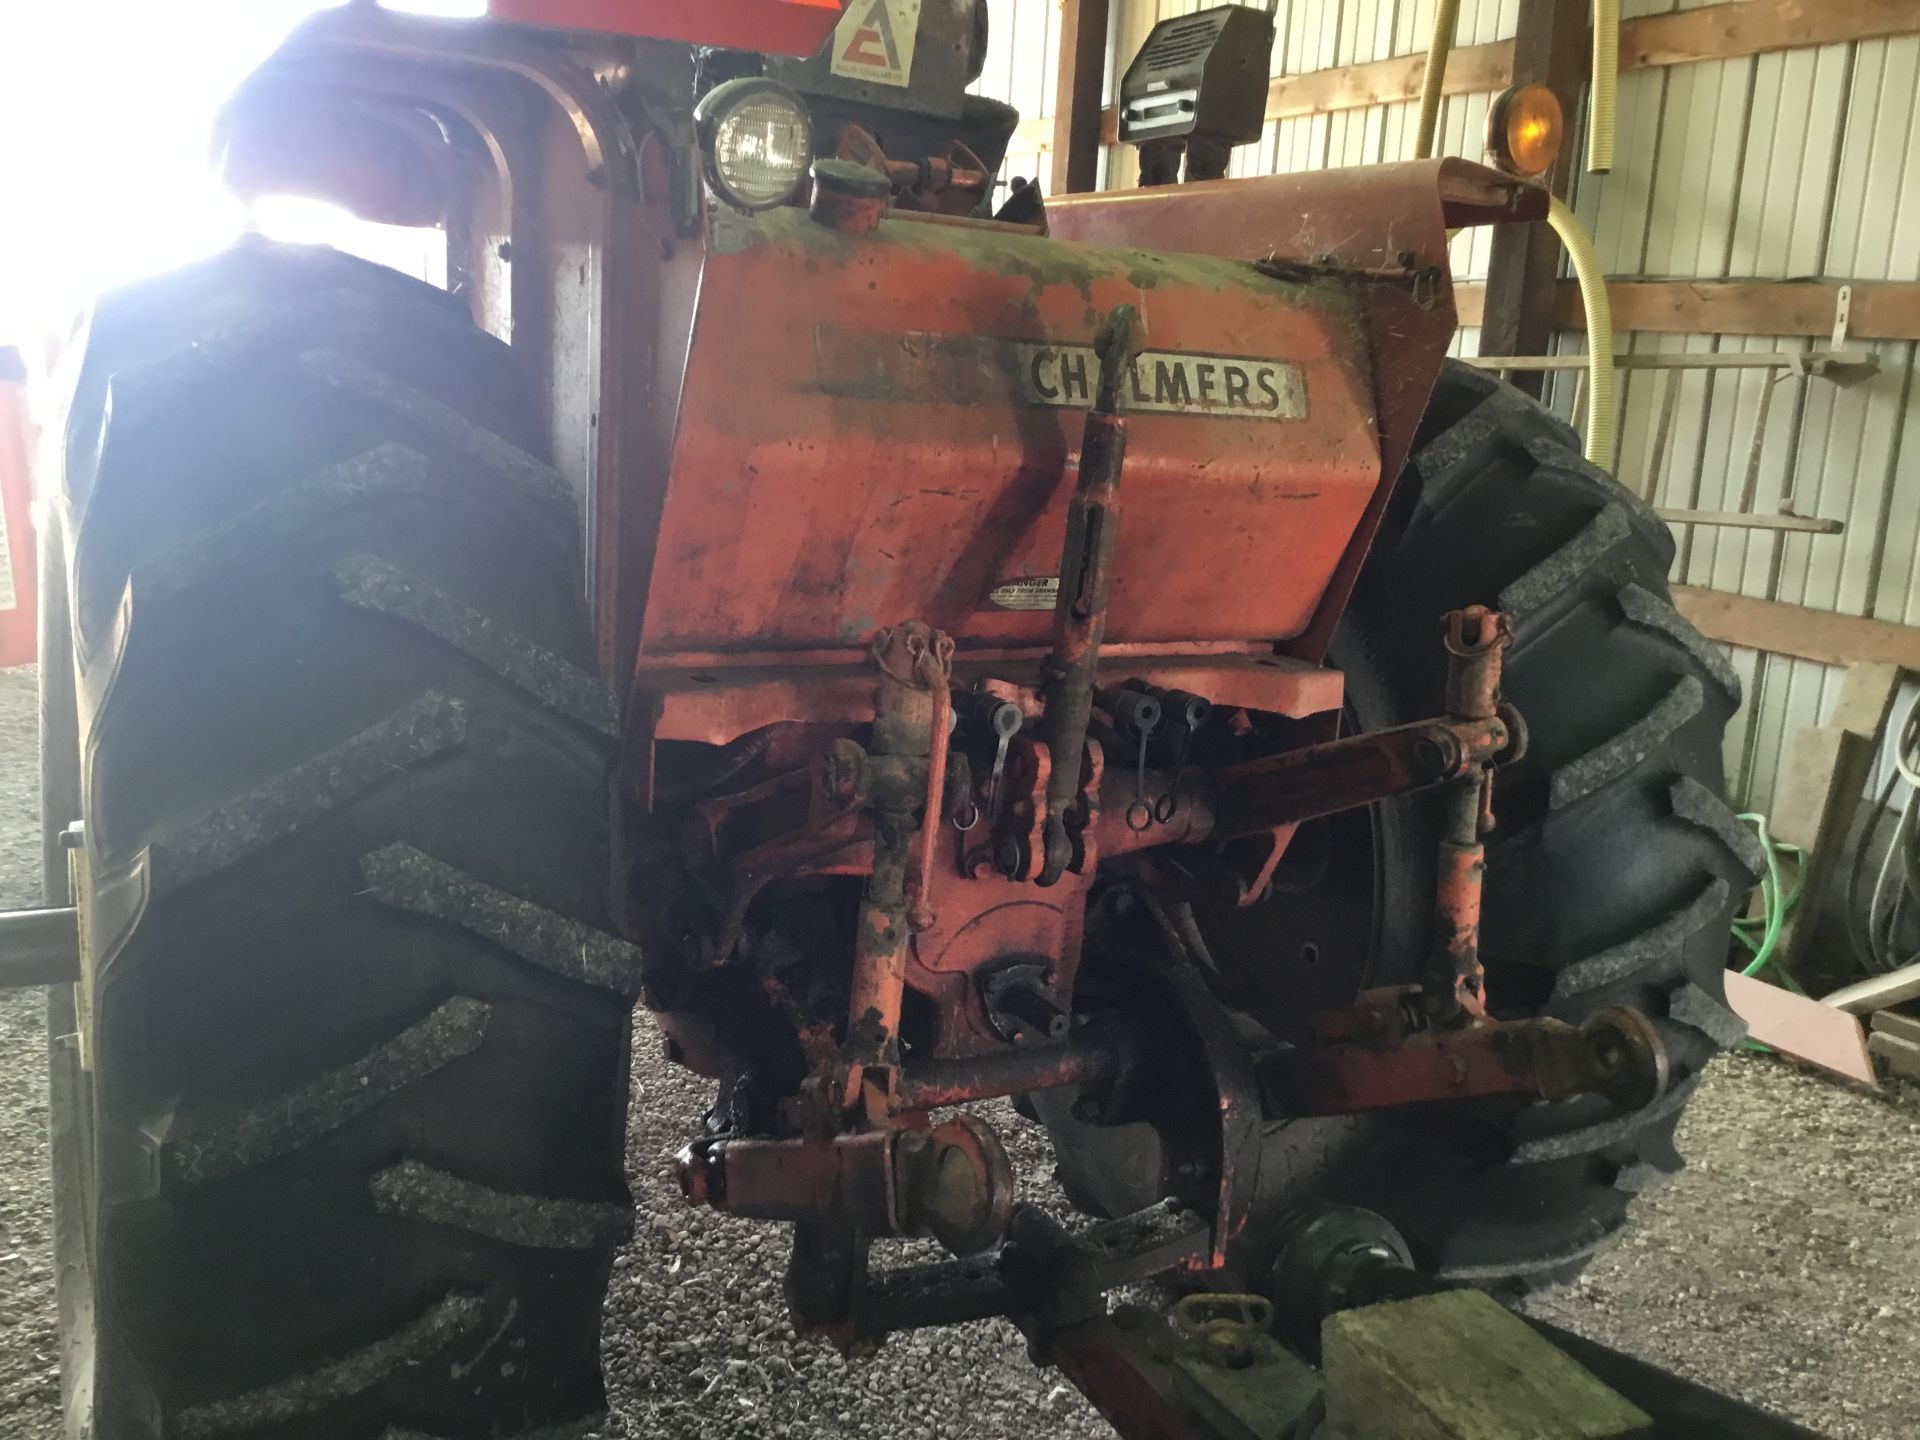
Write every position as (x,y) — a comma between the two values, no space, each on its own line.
(1782,629)
(1862,997)
(1901,1027)
(1802,1027)
(1460,1366)
(1900,1056)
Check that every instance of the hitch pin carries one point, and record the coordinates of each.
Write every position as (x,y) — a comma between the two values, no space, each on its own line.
(1195,710)
(1137,712)
(1006,720)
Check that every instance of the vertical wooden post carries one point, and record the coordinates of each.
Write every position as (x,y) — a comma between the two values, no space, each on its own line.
(1552,47)
(1076,106)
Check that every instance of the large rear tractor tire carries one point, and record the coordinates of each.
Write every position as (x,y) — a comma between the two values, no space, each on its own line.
(1611,876)
(340,1123)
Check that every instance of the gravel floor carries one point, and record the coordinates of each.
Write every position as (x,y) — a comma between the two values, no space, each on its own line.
(1783,1267)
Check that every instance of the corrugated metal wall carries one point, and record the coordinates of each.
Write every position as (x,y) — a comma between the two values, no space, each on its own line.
(1804,163)
(1023,65)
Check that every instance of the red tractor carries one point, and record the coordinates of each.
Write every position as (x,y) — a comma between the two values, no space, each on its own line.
(924,643)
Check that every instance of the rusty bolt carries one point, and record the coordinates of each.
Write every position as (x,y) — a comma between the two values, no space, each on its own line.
(693,1168)
(1626,1057)
(1010,855)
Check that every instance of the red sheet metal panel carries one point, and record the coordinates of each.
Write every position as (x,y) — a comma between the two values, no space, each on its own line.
(19,604)
(882,426)
(1387,223)
(772,27)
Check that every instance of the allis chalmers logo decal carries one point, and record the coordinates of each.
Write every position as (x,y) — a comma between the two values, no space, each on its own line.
(980,370)
(874,41)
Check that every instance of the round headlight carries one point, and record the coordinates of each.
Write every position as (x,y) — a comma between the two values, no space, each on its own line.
(1524,126)
(758,141)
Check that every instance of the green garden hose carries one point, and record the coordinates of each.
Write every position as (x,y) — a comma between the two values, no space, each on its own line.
(1776,904)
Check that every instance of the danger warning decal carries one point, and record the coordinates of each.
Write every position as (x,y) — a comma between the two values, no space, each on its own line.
(1029,592)
(981,370)
(874,41)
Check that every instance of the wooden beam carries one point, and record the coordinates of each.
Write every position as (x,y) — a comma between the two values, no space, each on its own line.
(1754,307)
(1781,629)
(1458,1364)
(1821,791)
(1077,114)
(1730,31)
(1470,70)
(1552,48)
(1881,310)
(1759,27)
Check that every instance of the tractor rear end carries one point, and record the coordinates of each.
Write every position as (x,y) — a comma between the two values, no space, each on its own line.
(1094,651)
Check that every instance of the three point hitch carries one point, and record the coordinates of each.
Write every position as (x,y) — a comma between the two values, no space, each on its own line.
(852,1153)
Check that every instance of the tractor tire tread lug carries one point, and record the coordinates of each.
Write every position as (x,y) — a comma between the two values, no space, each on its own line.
(1590,1139)
(272,1129)
(454,1319)
(430,726)
(413,1190)
(1652,955)
(1696,805)
(408,879)
(1647,736)
(372,584)
(1646,611)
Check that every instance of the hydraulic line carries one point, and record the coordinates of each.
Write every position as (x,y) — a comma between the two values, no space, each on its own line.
(1446,13)
(1599,311)
(1606,80)
(1573,235)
